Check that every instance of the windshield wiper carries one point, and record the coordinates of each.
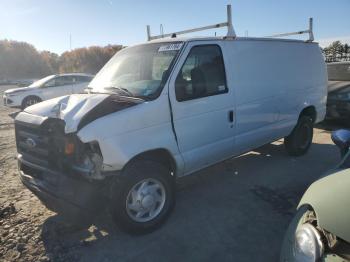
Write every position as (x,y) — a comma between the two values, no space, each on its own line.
(122,89)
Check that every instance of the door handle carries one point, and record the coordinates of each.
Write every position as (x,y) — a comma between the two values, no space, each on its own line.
(230,116)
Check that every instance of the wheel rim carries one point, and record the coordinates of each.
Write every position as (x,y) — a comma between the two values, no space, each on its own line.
(145,200)
(31,102)
(304,136)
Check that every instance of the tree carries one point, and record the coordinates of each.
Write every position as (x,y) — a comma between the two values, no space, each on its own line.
(336,51)
(88,60)
(20,60)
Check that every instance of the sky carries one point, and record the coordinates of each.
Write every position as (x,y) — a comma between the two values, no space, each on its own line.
(49,24)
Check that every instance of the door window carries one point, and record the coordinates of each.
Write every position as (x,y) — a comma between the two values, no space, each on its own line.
(59,81)
(65,80)
(83,79)
(202,74)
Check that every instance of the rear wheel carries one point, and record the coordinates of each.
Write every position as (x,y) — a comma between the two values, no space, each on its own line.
(143,197)
(299,141)
(30,100)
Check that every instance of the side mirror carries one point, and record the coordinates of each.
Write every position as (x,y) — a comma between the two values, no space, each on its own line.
(341,138)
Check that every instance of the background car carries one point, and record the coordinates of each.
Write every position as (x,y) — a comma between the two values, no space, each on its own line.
(46,88)
(338,102)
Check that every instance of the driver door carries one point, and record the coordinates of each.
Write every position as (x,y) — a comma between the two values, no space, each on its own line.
(203,106)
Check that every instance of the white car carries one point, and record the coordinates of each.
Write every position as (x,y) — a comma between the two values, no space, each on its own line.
(163,110)
(46,88)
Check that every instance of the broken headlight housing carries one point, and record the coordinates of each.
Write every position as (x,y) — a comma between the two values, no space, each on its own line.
(308,246)
(90,162)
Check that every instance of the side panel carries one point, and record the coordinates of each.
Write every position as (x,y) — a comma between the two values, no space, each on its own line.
(56,91)
(79,87)
(274,81)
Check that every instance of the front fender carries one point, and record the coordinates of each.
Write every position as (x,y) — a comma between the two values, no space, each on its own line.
(329,198)
(135,130)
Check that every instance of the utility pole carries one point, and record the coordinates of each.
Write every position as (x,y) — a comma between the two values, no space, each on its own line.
(70,42)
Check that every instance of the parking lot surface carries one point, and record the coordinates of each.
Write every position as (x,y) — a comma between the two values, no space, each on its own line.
(237,210)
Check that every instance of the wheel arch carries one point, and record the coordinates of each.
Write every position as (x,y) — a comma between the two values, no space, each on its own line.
(160,155)
(309,111)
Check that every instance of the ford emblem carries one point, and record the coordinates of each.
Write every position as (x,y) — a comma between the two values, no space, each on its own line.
(30,142)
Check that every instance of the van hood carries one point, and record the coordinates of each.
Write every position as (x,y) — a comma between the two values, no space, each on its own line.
(79,110)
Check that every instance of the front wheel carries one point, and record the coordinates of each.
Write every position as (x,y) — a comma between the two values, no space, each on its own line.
(299,141)
(30,100)
(143,197)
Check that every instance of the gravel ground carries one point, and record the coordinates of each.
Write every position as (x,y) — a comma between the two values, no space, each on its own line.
(234,211)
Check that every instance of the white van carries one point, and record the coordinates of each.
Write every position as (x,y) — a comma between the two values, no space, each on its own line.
(165,109)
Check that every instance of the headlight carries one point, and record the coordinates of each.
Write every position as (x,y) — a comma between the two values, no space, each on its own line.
(10,94)
(308,246)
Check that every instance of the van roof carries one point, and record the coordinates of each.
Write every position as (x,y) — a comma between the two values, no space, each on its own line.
(220,38)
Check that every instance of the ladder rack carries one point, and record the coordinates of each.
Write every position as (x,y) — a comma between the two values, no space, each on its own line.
(308,31)
(230,31)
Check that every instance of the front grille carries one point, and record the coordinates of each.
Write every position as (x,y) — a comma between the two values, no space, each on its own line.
(32,143)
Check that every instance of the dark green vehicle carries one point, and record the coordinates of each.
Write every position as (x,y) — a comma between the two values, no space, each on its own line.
(320,230)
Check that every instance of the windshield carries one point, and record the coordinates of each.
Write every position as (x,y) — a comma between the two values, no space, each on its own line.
(139,71)
(42,81)
(339,72)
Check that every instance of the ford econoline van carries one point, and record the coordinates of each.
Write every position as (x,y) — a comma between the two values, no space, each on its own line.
(165,109)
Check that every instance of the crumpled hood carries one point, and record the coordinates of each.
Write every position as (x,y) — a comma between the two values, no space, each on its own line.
(70,108)
(19,89)
(79,110)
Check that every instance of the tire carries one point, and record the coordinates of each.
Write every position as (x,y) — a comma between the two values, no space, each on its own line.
(30,100)
(127,200)
(299,141)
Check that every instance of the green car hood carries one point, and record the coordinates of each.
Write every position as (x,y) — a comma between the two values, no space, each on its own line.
(330,199)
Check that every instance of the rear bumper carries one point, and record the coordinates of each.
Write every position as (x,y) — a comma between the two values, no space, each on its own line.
(61,193)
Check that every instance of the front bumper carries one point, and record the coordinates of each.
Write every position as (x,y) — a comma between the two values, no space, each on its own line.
(11,101)
(61,193)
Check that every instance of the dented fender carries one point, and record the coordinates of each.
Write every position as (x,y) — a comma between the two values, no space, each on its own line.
(329,197)
(124,135)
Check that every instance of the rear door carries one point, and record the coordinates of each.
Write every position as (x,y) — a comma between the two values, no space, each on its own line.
(202,105)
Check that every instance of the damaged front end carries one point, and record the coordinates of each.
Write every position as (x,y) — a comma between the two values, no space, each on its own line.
(54,163)
(47,145)
(62,171)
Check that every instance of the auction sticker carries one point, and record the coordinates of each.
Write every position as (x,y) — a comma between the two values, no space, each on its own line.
(170,47)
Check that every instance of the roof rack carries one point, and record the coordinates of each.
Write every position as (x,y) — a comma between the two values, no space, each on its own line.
(308,31)
(230,31)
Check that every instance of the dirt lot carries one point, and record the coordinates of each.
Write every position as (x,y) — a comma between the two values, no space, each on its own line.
(234,211)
